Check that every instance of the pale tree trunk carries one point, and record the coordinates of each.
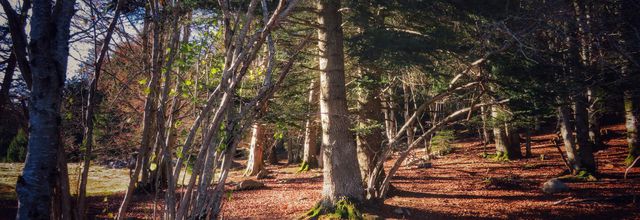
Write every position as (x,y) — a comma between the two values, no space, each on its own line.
(484,115)
(49,47)
(566,130)
(406,90)
(255,164)
(310,147)
(6,82)
(499,133)
(341,172)
(585,149)
(632,123)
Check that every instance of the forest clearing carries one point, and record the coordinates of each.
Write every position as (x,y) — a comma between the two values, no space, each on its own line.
(319,109)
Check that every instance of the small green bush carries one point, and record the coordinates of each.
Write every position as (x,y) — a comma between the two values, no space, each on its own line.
(17,151)
(441,142)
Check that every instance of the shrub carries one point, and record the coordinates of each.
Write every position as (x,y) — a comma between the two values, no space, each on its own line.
(17,151)
(441,142)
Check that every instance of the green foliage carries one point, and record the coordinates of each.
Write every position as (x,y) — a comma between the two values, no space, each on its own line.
(441,142)
(367,127)
(17,151)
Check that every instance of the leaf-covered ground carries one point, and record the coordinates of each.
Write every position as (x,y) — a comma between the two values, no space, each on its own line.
(460,185)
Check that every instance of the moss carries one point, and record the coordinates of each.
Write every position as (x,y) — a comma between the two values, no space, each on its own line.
(343,209)
(581,176)
(304,167)
(630,158)
(499,156)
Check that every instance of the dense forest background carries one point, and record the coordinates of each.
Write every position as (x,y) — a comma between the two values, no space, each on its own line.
(177,93)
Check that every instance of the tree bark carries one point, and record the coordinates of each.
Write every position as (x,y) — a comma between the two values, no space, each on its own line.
(90,110)
(632,123)
(500,136)
(49,47)
(341,172)
(255,164)
(310,147)
(566,130)
(370,142)
(585,149)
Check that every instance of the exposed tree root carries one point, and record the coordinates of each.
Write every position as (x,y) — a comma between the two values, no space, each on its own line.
(343,209)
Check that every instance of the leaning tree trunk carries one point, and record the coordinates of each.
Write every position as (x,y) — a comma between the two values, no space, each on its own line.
(566,130)
(310,147)
(49,47)
(255,164)
(631,113)
(90,111)
(585,149)
(341,172)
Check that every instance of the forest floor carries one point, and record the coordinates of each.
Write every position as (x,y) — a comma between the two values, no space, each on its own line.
(460,185)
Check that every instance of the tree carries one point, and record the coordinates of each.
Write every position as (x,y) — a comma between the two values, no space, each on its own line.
(341,177)
(49,51)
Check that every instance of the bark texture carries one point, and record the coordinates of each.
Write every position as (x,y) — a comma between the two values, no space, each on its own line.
(341,172)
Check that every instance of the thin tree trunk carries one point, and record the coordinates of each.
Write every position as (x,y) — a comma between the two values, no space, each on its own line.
(341,173)
(90,111)
(6,83)
(310,147)
(147,127)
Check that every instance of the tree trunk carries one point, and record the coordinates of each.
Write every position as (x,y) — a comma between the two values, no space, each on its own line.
(585,149)
(310,147)
(49,47)
(147,126)
(90,110)
(6,83)
(566,130)
(255,164)
(594,110)
(631,113)
(341,172)
(370,141)
(499,134)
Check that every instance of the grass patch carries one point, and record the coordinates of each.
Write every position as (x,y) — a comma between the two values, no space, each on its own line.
(102,180)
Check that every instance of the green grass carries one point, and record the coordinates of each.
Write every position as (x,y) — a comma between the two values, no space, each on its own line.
(102,180)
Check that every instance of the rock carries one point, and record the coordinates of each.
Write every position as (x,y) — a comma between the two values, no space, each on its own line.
(554,186)
(249,185)
(424,165)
